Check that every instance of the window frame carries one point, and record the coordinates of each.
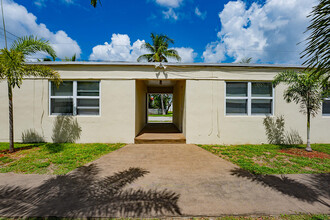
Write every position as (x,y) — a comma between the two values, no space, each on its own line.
(75,98)
(325,99)
(249,99)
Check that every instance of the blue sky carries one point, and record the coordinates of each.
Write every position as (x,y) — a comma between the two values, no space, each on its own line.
(204,31)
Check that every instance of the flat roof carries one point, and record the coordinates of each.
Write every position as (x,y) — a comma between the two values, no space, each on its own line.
(86,63)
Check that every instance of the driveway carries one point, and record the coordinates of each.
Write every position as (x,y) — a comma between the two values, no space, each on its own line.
(162,180)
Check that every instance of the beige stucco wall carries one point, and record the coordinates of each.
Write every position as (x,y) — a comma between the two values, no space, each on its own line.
(115,124)
(203,118)
(207,122)
(140,106)
(179,105)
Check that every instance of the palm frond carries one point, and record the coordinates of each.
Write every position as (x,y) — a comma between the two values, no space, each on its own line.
(30,44)
(145,57)
(94,3)
(42,71)
(159,51)
(287,76)
(317,50)
(73,58)
(173,54)
(245,60)
(148,47)
(303,88)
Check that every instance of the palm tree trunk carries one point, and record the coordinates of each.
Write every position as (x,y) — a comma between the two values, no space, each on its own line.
(308,148)
(162,101)
(11,119)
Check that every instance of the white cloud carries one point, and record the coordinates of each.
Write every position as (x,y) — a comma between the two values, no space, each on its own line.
(169,3)
(267,33)
(170,14)
(214,53)
(200,14)
(187,54)
(120,48)
(69,1)
(21,23)
(42,3)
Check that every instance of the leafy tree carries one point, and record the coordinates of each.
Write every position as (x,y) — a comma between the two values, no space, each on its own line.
(13,69)
(305,89)
(318,43)
(159,51)
(164,104)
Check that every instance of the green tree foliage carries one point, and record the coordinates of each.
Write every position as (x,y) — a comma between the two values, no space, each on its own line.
(13,69)
(158,51)
(317,53)
(304,88)
(156,102)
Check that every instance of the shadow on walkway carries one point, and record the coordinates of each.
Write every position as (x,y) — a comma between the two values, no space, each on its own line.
(82,194)
(318,185)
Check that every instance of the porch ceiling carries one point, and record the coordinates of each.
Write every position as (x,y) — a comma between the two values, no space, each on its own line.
(160,83)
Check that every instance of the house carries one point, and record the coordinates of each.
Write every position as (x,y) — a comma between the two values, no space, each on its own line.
(212,103)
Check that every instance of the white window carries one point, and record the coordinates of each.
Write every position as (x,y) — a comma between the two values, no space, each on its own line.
(249,98)
(74,98)
(326,106)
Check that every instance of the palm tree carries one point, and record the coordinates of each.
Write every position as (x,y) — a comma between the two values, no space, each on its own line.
(159,51)
(304,88)
(317,48)
(13,69)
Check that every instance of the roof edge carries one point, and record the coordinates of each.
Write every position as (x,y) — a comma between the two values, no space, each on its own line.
(83,63)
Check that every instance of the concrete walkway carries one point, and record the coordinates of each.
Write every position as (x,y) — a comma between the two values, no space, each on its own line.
(162,180)
(159,119)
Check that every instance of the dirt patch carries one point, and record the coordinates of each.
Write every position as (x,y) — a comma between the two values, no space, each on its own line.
(304,153)
(16,149)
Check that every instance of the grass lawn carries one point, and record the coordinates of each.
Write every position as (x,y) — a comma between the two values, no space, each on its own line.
(168,115)
(275,159)
(48,158)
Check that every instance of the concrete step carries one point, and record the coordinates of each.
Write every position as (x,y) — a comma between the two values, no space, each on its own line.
(160,133)
(152,138)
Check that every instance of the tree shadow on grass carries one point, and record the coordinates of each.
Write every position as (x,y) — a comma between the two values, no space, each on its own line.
(310,193)
(55,147)
(286,146)
(82,194)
